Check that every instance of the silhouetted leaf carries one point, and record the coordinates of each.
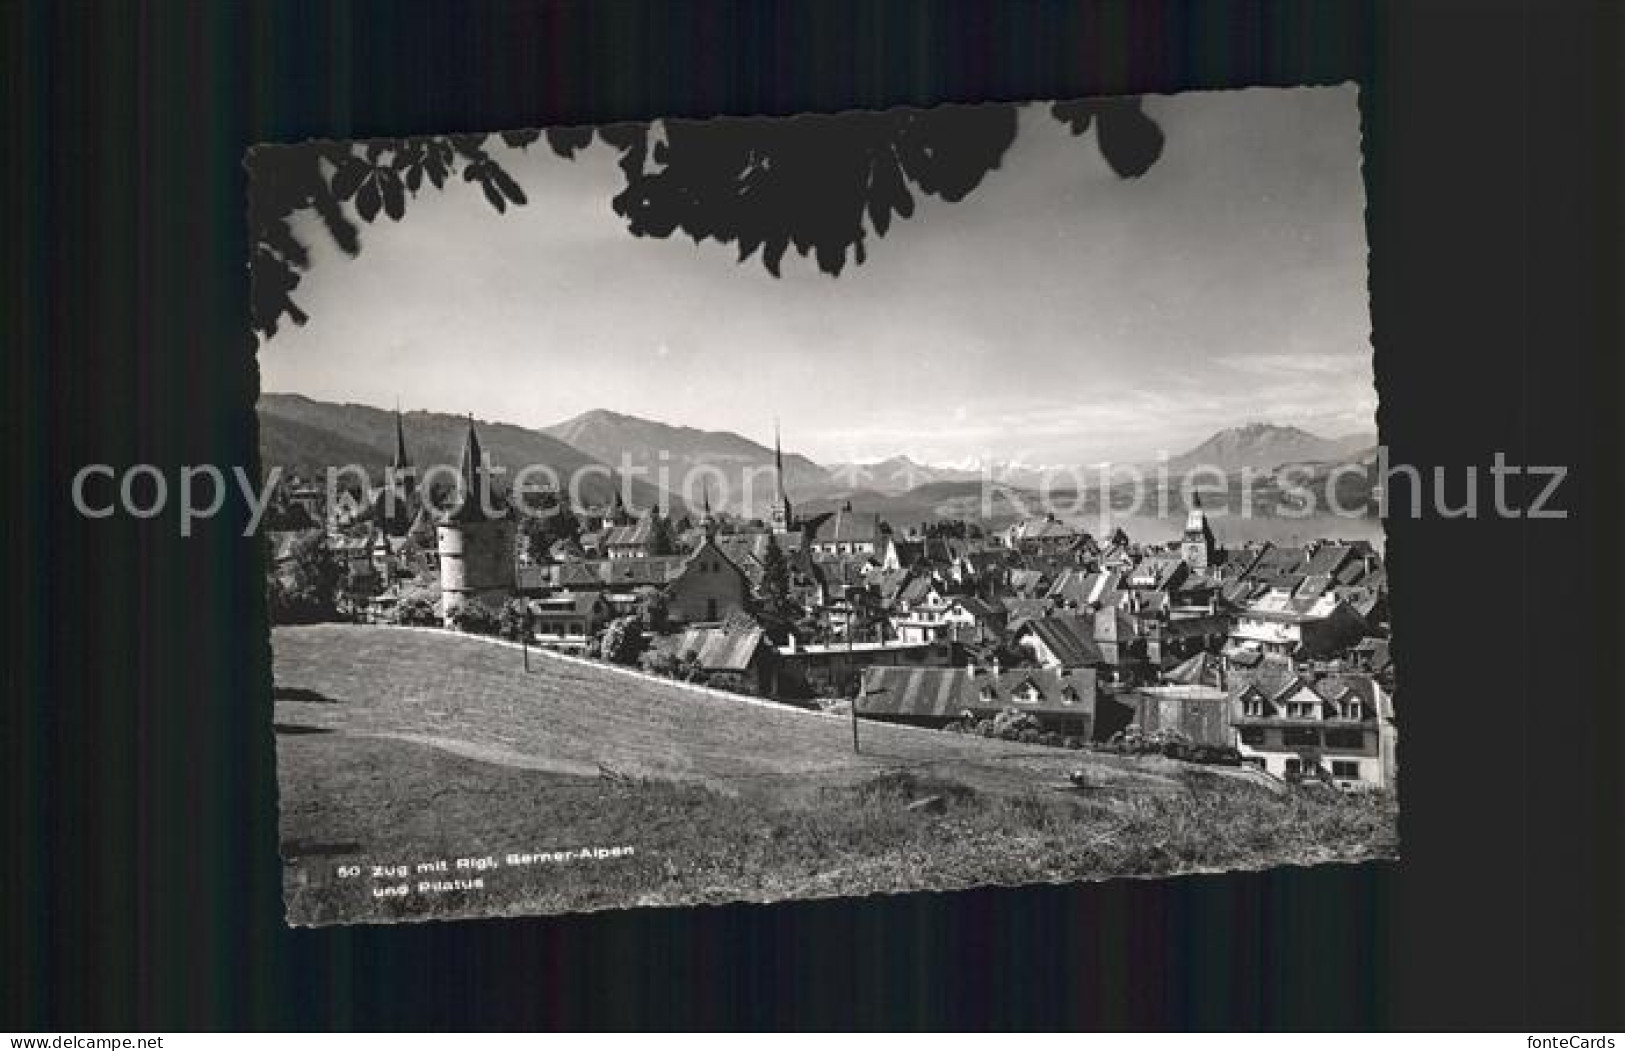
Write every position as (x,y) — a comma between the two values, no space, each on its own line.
(520,140)
(394,198)
(772,253)
(347,180)
(367,200)
(493,195)
(1076,115)
(566,142)
(505,183)
(1130,141)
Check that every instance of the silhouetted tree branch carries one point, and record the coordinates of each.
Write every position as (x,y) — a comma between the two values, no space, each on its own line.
(817,184)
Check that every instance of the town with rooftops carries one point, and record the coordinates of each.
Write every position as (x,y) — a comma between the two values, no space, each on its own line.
(1267,655)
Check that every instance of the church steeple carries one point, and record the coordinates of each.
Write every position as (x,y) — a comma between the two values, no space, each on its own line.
(1198,545)
(783,514)
(401,471)
(473,481)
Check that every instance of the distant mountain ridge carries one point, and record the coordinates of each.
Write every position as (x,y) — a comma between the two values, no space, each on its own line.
(897,474)
(308,435)
(1266,446)
(651,446)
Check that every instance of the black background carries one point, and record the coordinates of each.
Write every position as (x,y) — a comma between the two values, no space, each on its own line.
(140,887)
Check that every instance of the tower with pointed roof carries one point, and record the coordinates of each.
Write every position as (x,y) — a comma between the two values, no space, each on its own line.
(392,506)
(476,538)
(1197,547)
(401,473)
(708,521)
(783,518)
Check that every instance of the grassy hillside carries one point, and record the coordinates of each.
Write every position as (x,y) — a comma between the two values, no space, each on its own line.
(400,747)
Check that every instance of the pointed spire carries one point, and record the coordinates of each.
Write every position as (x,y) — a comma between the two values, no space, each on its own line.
(784,515)
(472,465)
(472,478)
(778,458)
(1196,518)
(708,521)
(402,461)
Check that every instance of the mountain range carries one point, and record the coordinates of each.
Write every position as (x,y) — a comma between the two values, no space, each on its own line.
(1266,446)
(308,435)
(651,447)
(898,474)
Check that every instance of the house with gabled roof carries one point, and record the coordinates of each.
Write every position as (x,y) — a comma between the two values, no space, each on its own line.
(1017,611)
(845,533)
(1277,566)
(1062,641)
(1158,573)
(1061,700)
(1337,728)
(1196,711)
(919,609)
(970,617)
(707,586)
(730,650)
(1280,622)
(1043,535)
(568,618)
(1121,644)
(639,540)
(1086,589)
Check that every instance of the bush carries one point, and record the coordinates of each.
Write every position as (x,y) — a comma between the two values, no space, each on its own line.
(417,611)
(514,620)
(475,618)
(622,641)
(659,662)
(654,615)
(1010,723)
(731,681)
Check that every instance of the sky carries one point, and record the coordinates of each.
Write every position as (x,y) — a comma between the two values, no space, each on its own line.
(1058,314)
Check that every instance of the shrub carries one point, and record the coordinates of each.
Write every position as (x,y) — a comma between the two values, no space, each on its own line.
(654,615)
(514,620)
(731,681)
(417,611)
(1009,724)
(659,662)
(475,618)
(622,641)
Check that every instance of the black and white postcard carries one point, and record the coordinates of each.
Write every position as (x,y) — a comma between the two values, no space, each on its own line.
(758,509)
